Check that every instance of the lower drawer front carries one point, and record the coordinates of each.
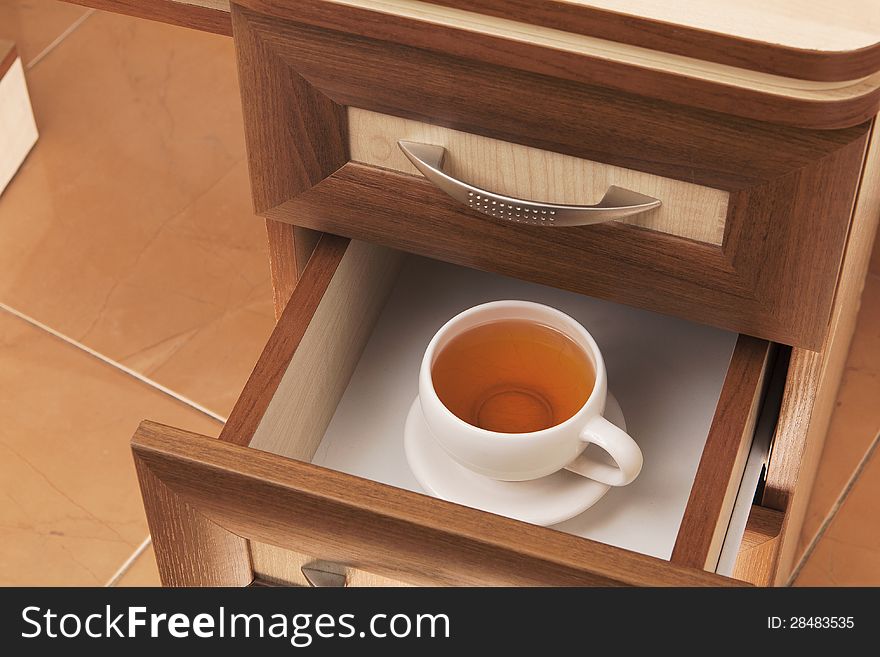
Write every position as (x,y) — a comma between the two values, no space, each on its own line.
(262,504)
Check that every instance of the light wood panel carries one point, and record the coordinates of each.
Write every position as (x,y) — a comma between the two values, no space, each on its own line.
(688,210)
(319,369)
(284,567)
(814,377)
(270,367)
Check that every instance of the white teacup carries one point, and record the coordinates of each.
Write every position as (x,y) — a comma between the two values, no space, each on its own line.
(521,456)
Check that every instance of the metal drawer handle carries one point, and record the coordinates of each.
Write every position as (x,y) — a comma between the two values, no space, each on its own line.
(616,204)
(320,578)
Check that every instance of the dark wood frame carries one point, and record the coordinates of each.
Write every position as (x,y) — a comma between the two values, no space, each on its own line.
(206,498)
(791,190)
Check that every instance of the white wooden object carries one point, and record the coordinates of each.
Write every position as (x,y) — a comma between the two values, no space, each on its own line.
(18,131)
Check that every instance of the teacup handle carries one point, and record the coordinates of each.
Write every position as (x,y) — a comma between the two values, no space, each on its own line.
(618,444)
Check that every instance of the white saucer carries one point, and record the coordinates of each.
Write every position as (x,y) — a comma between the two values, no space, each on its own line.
(545,501)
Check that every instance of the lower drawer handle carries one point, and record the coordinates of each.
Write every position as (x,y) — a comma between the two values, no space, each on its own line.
(616,204)
(323,578)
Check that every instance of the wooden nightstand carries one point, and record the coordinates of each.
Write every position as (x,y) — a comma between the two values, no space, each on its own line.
(760,150)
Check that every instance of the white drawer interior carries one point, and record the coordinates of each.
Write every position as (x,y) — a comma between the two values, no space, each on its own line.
(666,373)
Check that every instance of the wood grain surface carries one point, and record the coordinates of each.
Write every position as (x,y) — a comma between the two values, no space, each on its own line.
(814,378)
(204,15)
(759,550)
(303,381)
(388,531)
(790,201)
(290,248)
(270,367)
(688,210)
(716,484)
(798,40)
(307,131)
(191,550)
(490,41)
(785,38)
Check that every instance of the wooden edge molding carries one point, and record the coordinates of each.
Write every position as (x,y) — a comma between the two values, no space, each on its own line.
(783,100)
(204,15)
(707,514)
(773,58)
(756,560)
(282,344)
(345,519)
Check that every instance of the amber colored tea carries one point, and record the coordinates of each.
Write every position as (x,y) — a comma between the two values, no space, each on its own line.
(513,376)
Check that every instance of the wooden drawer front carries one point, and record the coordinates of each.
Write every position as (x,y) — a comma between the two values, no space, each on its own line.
(242,485)
(314,82)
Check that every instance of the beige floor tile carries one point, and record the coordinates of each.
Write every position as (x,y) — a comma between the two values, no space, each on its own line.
(856,418)
(71,511)
(34,24)
(848,554)
(143,572)
(130,228)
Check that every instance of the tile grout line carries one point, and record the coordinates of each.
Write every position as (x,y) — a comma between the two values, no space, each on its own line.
(128,563)
(109,361)
(838,504)
(57,41)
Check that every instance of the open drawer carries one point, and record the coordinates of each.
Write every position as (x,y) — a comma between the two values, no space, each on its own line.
(254,505)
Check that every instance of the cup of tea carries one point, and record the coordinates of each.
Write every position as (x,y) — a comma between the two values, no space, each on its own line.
(515,390)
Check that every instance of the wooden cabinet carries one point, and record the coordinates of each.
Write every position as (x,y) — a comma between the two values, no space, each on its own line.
(756,134)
